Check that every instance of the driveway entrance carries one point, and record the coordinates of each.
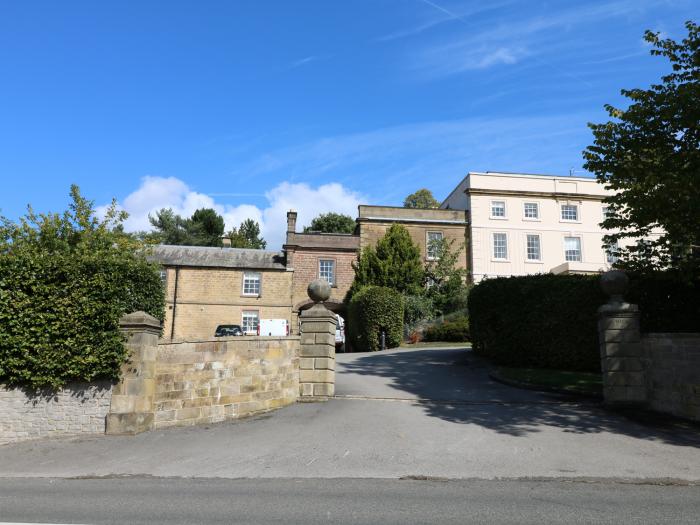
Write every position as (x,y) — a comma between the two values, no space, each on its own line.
(398,413)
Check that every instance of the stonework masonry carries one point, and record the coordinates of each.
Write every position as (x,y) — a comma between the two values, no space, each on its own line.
(209,381)
(79,408)
(658,371)
(208,297)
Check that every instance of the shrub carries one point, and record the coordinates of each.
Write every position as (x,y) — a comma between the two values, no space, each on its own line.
(65,280)
(373,309)
(537,321)
(456,331)
(668,301)
(550,321)
(417,308)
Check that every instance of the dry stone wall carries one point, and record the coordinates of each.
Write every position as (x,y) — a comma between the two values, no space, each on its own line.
(76,409)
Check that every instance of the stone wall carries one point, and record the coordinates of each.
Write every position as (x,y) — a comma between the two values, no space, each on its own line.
(658,371)
(672,364)
(77,409)
(209,381)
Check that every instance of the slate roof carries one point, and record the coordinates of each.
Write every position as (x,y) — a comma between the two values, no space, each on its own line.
(209,257)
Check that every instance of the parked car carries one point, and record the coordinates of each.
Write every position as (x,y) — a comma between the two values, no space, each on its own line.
(273,327)
(227,330)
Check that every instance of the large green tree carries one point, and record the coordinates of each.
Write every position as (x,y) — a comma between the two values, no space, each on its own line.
(422,198)
(446,280)
(394,263)
(204,228)
(65,280)
(247,235)
(649,154)
(331,223)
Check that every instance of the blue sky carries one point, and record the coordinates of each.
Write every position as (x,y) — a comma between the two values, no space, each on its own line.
(257,106)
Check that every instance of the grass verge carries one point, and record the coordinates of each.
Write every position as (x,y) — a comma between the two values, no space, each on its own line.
(433,344)
(582,383)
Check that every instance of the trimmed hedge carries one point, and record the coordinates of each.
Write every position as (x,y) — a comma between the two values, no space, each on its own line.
(550,321)
(456,331)
(371,310)
(537,321)
(65,280)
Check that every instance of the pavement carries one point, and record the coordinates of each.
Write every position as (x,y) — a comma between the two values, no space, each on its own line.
(431,413)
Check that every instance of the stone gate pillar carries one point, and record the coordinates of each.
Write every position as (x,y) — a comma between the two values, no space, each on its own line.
(620,344)
(132,409)
(317,351)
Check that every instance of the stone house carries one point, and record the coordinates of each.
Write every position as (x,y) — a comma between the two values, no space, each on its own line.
(206,287)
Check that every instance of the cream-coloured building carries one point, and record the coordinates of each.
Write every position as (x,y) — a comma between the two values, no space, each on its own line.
(523,224)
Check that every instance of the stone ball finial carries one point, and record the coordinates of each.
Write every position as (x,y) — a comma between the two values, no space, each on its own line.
(319,290)
(615,284)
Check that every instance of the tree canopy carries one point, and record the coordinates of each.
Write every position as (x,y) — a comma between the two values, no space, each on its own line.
(649,153)
(247,235)
(394,263)
(204,228)
(331,223)
(65,280)
(422,198)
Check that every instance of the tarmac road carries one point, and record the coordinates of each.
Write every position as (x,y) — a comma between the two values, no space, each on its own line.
(309,501)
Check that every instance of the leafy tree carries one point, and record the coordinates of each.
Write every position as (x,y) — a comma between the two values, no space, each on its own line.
(446,280)
(247,235)
(423,198)
(65,280)
(394,263)
(205,228)
(650,155)
(331,223)
(169,228)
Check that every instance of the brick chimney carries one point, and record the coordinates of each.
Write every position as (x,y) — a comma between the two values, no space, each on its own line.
(291,221)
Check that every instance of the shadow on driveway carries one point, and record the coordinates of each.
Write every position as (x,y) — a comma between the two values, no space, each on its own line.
(453,385)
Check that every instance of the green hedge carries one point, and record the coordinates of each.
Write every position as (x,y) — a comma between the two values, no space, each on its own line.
(550,321)
(371,310)
(65,280)
(668,302)
(456,330)
(538,321)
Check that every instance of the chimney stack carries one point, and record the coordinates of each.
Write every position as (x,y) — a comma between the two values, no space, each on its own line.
(291,221)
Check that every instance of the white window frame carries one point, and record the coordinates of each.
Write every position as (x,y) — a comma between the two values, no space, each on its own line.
(428,241)
(254,328)
(537,207)
(604,211)
(575,206)
(580,248)
(611,253)
(498,217)
(247,276)
(539,248)
(493,246)
(320,274)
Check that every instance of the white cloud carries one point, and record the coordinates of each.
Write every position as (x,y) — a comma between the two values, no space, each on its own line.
(169,192)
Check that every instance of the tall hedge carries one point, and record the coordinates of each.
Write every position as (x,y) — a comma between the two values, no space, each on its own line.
(538,321)
(65,280)
(371,310)
(550,321)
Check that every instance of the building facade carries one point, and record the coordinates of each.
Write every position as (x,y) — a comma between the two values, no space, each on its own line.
(207,287)
(503,224)
(523,224)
